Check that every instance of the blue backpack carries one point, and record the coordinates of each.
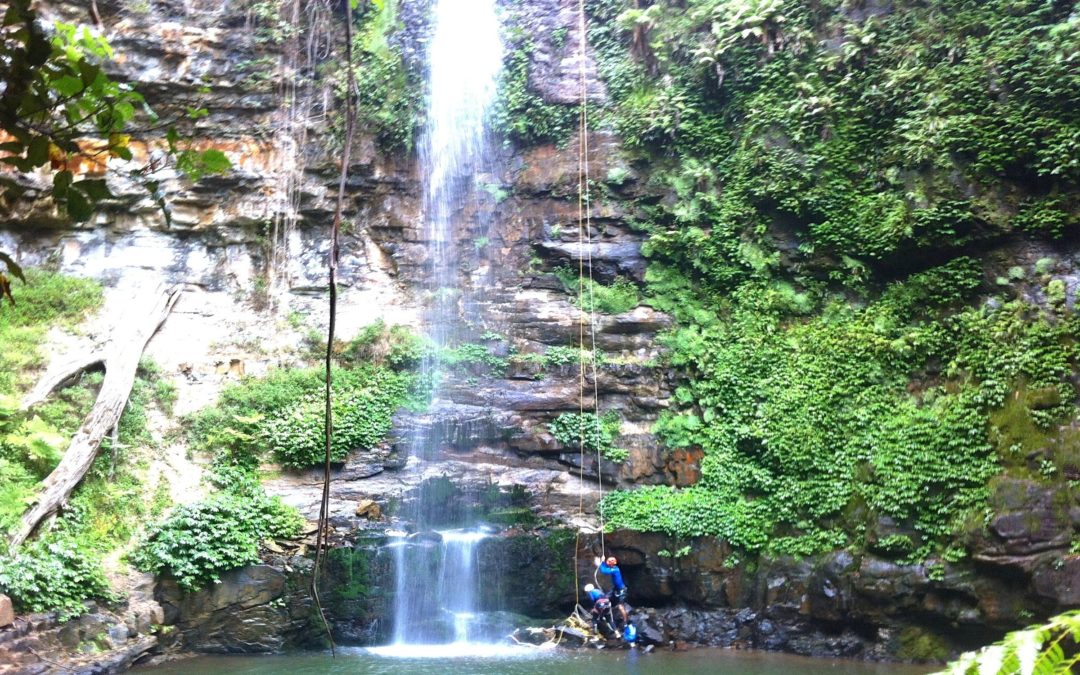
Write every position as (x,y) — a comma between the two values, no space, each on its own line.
(629,633)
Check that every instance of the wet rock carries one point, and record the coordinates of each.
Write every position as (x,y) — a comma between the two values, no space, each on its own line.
(1060,581)
(252,610)
(683,466)
(555,68)
(7,612)
(887,583)
(1030,518)
(118,634)
(85,629)
(548,588)
(369,509)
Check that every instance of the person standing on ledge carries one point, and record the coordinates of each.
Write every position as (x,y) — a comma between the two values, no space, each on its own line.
(610,567)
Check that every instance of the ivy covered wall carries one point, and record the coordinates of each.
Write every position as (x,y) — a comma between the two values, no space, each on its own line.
(862,216)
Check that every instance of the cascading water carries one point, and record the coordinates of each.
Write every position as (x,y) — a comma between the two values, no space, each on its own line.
(464,60)
(436,602)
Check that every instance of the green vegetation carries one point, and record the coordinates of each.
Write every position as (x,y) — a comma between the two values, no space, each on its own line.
(200,541)
(825,168)
(365,401)
(1049,649)
(390,99)
(520,114)
(593,433)
(62,109)
(620,296)
(45,299)
(283,412)
(270,26)
(472,357)
(919,645)
(53,573)
(348,574)
(554,357)
(814,427)
(31,445)
(62,567)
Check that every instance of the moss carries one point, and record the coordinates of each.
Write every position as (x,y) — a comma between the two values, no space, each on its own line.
(1066,453)
(1014,430)
(919,644)
(514,516)
(349,571)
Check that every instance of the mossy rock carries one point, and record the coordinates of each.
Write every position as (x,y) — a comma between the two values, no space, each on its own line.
(1014,429)
(519,515)
(919,644)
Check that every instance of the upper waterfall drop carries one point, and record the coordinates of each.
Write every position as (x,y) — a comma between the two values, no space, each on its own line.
(464,61)
(437,585)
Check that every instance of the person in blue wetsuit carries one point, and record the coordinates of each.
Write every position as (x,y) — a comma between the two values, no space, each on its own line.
(594,593)
(601,610)
(610,567)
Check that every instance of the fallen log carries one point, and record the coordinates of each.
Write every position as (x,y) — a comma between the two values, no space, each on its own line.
(61,373)
(120,355)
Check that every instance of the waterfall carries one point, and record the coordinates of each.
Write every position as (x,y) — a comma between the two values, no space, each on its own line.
(437,584)
(464,60)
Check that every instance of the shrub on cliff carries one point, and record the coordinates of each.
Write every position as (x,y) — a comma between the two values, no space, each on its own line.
(843,362)
(283,412)
(362,418)
(595,434)
(200,541)
(53,574)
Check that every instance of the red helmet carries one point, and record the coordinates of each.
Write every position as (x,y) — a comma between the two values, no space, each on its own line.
(612,561)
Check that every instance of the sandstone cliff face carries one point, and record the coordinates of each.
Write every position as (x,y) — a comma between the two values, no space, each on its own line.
(251,246)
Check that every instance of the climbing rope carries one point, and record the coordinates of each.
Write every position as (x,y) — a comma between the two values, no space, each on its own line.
(587,307)
(332,263)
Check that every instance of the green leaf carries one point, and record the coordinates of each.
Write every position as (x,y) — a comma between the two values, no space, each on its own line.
(61,183)
(68,85)
(78,206)
(37,153)
(96,190)
(12,16)
(172,136)
(214,161)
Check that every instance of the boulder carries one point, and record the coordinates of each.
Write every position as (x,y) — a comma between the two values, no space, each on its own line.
(1060,581)
(7,612)
(369,509)
(254,609)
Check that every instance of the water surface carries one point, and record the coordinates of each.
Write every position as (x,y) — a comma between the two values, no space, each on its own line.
(533,661)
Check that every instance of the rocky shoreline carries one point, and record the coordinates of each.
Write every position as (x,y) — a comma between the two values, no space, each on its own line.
(832,605)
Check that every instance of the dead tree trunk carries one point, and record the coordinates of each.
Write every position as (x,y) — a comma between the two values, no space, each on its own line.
(121,356)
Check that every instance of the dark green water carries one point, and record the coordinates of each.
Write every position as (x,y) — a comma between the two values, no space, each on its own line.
(528,661)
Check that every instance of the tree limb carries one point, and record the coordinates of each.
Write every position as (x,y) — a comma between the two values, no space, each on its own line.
(121,360)
(61,373)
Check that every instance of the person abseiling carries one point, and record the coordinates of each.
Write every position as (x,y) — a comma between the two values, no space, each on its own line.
(594,593)
(610,567)
(601,611)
